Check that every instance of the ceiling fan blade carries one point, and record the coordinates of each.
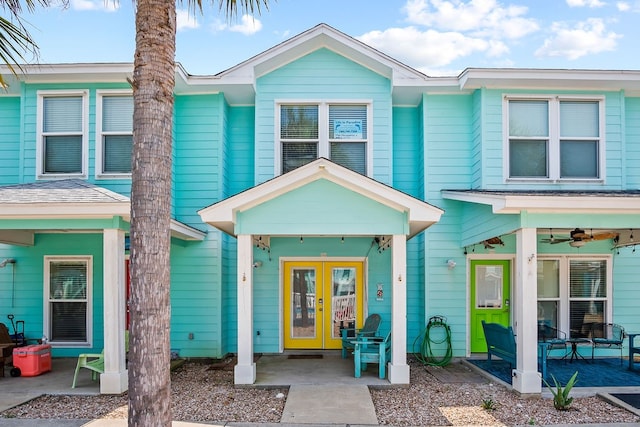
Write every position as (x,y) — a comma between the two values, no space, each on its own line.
(602,236)
(561,240)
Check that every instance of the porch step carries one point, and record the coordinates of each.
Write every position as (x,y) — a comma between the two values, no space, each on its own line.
(329,404)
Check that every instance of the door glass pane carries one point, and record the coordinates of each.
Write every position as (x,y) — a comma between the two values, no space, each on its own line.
(489,286)
(343,299)
(303,303)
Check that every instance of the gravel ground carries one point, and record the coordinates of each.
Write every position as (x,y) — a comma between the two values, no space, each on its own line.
(203,394)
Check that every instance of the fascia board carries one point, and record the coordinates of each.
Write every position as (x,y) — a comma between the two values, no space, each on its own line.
(516,204)
(225,211)
(65,210)
(184,232)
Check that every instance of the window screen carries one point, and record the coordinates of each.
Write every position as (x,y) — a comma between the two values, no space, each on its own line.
(62,130)
(68,301)
(117,133)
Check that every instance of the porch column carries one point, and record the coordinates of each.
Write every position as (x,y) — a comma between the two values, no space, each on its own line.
(245,370)
(398,368)
(114,380)
(526,379)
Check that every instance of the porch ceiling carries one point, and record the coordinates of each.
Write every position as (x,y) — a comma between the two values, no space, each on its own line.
(417,214)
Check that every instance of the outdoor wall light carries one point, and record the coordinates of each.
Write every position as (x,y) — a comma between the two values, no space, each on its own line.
(451,264)
(7,261)
(257,264)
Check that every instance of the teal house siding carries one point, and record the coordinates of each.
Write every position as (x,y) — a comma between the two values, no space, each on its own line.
(323,76)
(10,109)
(632,142)
(239,175)
(407,160)
(448,157)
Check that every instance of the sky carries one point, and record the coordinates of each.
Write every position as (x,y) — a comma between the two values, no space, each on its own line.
(436,37)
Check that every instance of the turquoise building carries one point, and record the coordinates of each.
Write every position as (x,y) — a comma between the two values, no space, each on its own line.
(316,183)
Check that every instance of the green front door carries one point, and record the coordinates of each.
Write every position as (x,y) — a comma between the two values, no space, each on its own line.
(490,299)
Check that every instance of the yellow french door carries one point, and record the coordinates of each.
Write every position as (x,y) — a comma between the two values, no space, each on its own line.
(319,298)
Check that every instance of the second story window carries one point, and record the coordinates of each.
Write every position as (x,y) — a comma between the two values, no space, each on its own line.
(114,133)
(555,139)
(339,132)
(62,149)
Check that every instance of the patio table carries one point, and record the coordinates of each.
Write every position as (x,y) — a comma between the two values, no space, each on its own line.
(574,348)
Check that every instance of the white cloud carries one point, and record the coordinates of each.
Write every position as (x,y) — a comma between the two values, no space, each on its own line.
(585,38)
(585,3)
(185,20)
(248,26)
(99,5)
(427,49)
(623,6)
(483,16)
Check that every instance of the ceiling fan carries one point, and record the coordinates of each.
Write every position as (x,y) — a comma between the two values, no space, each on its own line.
(578,237)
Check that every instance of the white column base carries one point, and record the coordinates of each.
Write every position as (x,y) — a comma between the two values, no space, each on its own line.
(114,382)
(526,382)
(244,374)
(398,374)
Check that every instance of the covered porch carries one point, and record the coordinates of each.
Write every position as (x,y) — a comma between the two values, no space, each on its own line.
(320,202)
(552,237)
(49,229)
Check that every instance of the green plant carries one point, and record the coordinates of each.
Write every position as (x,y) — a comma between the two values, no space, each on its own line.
(489,404)
(561,399)
(532,421)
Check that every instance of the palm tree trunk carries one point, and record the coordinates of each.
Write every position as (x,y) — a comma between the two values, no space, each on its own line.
(153,84)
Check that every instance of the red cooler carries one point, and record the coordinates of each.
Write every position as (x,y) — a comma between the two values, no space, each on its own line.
(32,360)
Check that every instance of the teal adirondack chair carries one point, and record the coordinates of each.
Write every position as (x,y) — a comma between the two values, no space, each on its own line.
(372,350)
(369,329)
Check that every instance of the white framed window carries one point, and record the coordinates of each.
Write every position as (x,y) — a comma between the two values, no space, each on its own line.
(68,300)
(339,131)
(574,292)
(554,138)
(114,133)
(62,147)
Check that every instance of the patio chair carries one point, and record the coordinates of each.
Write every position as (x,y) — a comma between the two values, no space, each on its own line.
(553,337)
(609,335)
(371,350)
(369,329)
(94,362)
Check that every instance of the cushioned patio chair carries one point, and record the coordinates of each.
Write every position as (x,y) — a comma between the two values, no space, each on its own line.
(553,337)
(94,362)
(369,329)
(608,335)
(371,350)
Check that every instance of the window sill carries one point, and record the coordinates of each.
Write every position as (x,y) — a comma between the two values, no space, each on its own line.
(113,176)
(59,176)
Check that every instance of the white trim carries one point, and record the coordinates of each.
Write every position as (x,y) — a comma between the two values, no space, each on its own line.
(99,143)
(41,94)
(554,139)
(222,215)
(46,323)
(323,128)
(504,203)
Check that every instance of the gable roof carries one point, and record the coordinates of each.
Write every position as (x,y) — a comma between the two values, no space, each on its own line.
(419,214)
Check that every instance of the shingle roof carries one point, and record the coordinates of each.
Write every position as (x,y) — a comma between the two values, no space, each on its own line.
(62,191)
